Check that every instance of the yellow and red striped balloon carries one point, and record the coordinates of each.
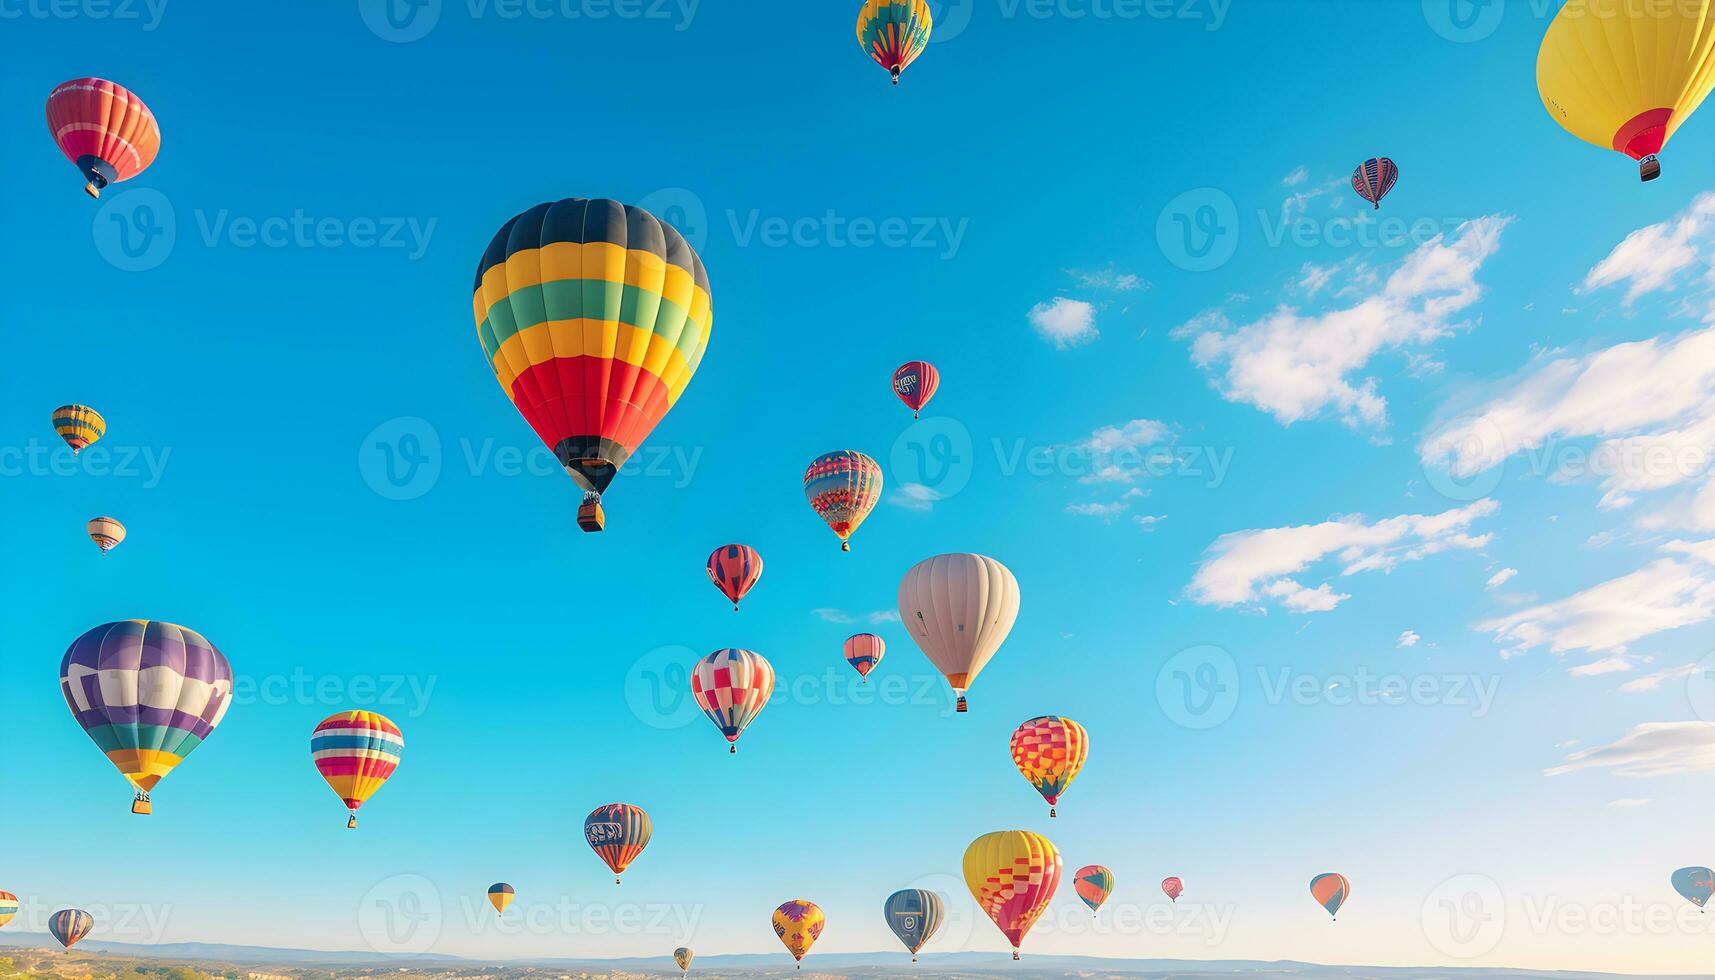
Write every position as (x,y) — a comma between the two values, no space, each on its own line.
(1049,751)
(894,32)
(8,907)
(618,833)
(843,487)
(104,128)
(78,425)
(356,752)
(799,924)
(1012,874)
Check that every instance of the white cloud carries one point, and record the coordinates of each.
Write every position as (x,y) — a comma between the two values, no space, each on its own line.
(1651,258)
(1296,366)
(1123,453)
(1650,682)
(1616,664)
(1501,578)
(1657,748)
(1298,176)
(1064,322)
(1110,278)
(1107,512)
(1630,801)
(881,616)
(914,496)
(1147,522)
(1408,638)
(1243,566)
(832,615)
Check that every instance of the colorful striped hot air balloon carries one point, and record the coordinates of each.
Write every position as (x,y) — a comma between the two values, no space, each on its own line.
(70,925)
(8,907)
(798,923)
(894,32)
(732,687)
(1330,891)
(148,693)
(1695,884)
(1012,874)
(106,533)
(959,609)
(1049,751)
(863,651)
(618,833)
(914,915)
(915,383)
(1626,74)
(735,569)
(356,751)
(500,895)
(1374,178)
(1094,884)
(594,316)
(1173,888)
(683,957)
(78,425)
(104,128)
(843,487)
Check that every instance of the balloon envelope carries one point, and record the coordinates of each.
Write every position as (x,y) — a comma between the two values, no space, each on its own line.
(106,533)
(894,32)
(1694,884)
(618,833)
(356,752)
(1012,874)
(842,488)
(1172,888)
(732,687)
(500,895)
(915,383)
(959,608)
(914,915)
(1330,891)
(103,128)
(683,957)
(1049,751)
(70,925)
(1374,178)
(735,569)
(78,425)
(863,651)
(798,923)
(8,907)
(1093,884)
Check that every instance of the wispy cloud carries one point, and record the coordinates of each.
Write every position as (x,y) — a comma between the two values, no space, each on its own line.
(1652,258)
(831,615)
(1110,279)
(1064,322)
(1658,748)
(1408,638)
(913,496)
(1501,578)
(1650,682)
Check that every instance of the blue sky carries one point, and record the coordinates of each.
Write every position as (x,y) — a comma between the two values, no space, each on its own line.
(329,184)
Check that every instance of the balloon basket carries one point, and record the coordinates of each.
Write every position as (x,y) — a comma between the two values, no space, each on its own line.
(351,823)
(845,546)
(732,750)
(92,191)
(590,515)
(1649,168)
(142,806)
(961,707)
(616,879)
(1051,812)
(1015,954)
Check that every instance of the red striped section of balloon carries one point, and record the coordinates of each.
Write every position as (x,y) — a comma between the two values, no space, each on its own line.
(735,569)
(863,651)
(915,383)
(104,128)
(618,833)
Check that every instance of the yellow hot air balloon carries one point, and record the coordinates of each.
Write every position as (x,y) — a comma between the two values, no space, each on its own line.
(798,923)
(105,532)
(1012,874)
(683,957)
(500,895)
(959,609)
(1625,74)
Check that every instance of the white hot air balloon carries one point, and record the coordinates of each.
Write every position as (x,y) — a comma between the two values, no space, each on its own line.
(959,609)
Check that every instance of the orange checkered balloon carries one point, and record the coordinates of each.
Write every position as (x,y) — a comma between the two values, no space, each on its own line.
(1049,751)
(1012,874)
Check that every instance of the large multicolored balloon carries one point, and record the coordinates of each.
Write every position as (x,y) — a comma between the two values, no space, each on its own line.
(1695,885)
(618,833)
(1173,888)
(1374,178)
(8,907)
(106,533)
(1330,891)
(1048,752)
(147,693)
(594,316)
(500,895)
(959,609)
(356,752)
(78,425)
(894,32)
(1093,883)
(1012,874)
(683,957)
(915,383)
(732,687)
(104,128)
(735,569)
(843,487)
(70,925)
(863,651)
(798,923)
(914,915)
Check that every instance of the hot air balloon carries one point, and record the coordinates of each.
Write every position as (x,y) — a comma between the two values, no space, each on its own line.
(594,316)
(894,32)
(683,957)
(1049,751)
(148,693)
(104,128)
(1330,891)
(843,487)
(798,923)
(1173,888)
(106,533)
(915,383)
(70,925)
(1012,874)
(356,751)
(732,686)
(1625,74)
(618,833)
(864,651)
(959,609)
(8,907)
(1374,178)
(914,915)
(1695,885)
(78,425)
(735,569)
(1093,884)
(500,895)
